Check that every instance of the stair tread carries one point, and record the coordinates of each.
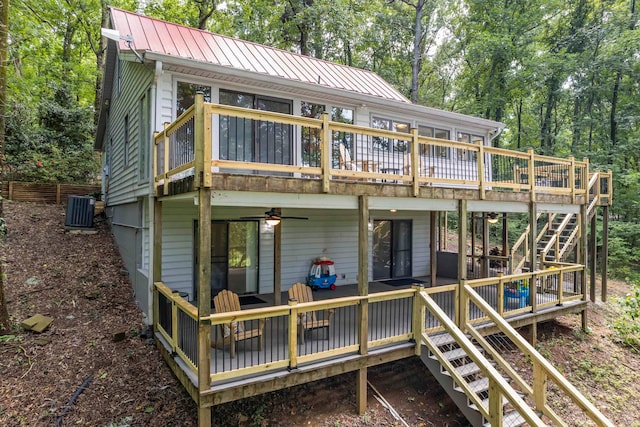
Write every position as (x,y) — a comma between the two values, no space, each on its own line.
(468,369)
(442,340)
(477,386)
(457,353)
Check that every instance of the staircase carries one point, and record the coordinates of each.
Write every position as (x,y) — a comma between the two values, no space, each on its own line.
(560,234)
(471,374)
(484,385)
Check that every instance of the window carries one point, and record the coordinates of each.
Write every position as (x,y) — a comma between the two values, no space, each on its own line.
(386,143)
(126,141)
(342,115)
(144,120)
(250,140)
(470,139)
(311,136)
(186,95)
(431,132)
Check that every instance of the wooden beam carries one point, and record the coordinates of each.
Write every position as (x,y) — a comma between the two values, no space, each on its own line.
(474,266)
(593,247)
(604,269)
(204,290)
(485,245)
(361,390)
(462,239)
(582,245)
(433,250)
(229,393)
(277,262)
(533,232)
(363,272)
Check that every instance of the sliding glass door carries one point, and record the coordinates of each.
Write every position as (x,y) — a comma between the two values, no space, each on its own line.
(234,256)
(391,249)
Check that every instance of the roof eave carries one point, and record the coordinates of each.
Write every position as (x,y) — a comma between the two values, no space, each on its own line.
(353,97)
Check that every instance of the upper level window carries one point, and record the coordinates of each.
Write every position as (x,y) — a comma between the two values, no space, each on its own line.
(186,95)
(144,119)
(393,125)
(472,139)
(432,132)
(126,141)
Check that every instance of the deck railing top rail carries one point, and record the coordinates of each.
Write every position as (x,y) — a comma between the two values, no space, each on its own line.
(332,150)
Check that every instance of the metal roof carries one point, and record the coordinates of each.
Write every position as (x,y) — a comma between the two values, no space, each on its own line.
(154,35)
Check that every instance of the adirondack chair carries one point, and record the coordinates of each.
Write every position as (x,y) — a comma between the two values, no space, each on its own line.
(225,302)
(308,321)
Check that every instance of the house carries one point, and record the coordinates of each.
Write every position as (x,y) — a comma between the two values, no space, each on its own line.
(262,161)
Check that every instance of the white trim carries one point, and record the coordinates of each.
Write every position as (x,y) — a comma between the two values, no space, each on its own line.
(285,200)
(497,206)
(558,208)
(412,204)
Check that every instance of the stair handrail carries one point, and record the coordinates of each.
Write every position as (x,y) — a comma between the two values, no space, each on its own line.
(594,180)
(498,386)
(525,238)
(541,366)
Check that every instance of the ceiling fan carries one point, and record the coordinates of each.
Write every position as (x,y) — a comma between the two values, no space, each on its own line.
(272,217)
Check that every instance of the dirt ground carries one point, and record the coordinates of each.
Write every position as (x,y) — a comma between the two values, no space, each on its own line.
(79,281)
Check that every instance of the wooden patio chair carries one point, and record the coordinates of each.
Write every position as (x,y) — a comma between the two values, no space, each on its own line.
(225,302)
(308,321)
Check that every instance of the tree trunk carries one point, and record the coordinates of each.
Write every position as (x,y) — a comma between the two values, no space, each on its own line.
(416,63)
(4,54)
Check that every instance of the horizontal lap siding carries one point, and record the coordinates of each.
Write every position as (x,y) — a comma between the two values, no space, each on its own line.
(124,180)
(333,234)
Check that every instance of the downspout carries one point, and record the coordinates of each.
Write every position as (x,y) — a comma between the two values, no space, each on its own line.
(496,134)
(150,199)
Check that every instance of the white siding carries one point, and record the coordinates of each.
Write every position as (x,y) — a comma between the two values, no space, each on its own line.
(123,180)
(333,234)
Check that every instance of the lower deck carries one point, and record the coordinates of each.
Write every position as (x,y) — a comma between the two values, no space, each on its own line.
(390,317)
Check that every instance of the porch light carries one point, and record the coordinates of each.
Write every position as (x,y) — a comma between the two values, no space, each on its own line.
(492,218)
(272,222)
(393,210)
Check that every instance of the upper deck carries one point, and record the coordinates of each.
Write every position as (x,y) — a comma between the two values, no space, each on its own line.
(232,148)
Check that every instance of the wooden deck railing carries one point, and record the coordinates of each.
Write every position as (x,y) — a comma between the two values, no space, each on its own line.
(390,319)
(545,382)
(337,151)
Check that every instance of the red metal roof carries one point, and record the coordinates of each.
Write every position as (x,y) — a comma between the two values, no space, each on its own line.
(154,35)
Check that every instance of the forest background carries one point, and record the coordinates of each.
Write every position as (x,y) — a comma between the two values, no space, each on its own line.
(563,76)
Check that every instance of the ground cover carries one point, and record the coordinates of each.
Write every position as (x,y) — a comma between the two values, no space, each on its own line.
(79,281)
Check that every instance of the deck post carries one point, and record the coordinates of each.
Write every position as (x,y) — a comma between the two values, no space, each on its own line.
(533,231)
(473,245)
(462,239)
(277,262)
(605,251)
(204,301)
(485,245)
(582,253)
(325,153)
(593,246)
(363,307)
(157,257)
(433,253)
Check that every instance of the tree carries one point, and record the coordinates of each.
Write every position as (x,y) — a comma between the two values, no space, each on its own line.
(4,25)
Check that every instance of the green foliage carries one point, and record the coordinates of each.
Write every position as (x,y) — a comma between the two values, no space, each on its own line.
(624,257)
(627,326)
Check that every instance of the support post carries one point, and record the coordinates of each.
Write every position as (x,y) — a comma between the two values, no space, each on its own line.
(474,266)
(325,153)
(485,245)
(415,161)
(593,247)
(582,243)
(604,269)
(462,239)
(204,300)
(363,307)
(277,262)
(445,231)
(157,256)
(204,264)
(533,231)
(433,253)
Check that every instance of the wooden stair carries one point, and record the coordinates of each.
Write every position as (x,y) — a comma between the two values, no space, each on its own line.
(473,377)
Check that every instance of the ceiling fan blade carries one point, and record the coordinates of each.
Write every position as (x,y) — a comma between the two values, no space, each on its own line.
(293,217)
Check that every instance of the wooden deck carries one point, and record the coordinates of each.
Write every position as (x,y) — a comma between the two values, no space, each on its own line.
(390,330)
